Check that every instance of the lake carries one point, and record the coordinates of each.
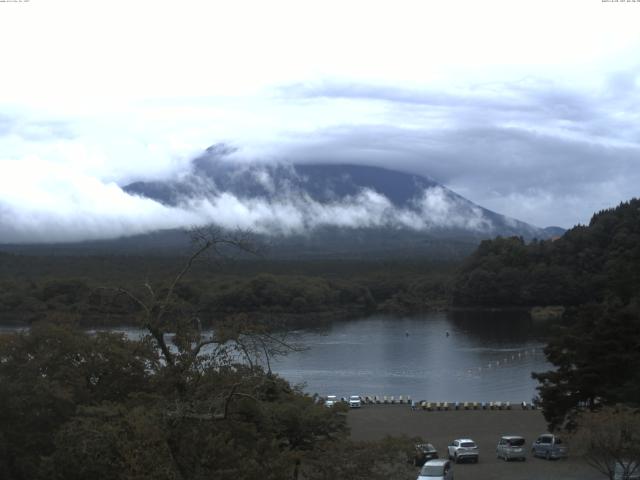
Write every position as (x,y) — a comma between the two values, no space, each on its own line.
(486,356)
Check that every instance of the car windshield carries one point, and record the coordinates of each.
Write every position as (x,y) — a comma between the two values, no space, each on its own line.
(355,397)
(467,444)
(426,447)
(516,442)
(432,470)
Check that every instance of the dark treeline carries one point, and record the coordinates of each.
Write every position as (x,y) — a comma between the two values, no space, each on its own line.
(588,263)
(595,271)
(305,291)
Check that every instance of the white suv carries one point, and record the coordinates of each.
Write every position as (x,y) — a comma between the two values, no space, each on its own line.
(354,401)
(463,449)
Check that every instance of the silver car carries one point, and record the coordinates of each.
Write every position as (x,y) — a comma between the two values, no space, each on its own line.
(626,470)
(436,470)
(511,447)
(550,447)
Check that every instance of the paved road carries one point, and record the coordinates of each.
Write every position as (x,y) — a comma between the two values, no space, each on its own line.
(485,427)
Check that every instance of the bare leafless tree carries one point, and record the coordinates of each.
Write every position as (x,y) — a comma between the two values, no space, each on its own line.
(161,314)
(159,307)
(609,441)
(258,343)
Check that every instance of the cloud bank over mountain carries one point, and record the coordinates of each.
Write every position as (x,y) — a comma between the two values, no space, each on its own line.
(63,205)
(536,149)
(539,126)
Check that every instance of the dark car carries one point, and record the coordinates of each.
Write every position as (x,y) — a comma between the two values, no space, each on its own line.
(424,453)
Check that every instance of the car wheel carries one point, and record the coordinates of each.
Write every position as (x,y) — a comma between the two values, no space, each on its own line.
(455,458)
(524,459)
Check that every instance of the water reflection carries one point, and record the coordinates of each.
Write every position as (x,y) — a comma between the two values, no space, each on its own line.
(508,325)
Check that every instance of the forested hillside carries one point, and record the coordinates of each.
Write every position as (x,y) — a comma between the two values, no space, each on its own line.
(38,287)
(595,271)
(588,263)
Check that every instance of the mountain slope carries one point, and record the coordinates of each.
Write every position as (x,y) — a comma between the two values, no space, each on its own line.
(394,199)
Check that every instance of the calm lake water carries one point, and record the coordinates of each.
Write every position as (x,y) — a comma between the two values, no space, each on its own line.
(485,357)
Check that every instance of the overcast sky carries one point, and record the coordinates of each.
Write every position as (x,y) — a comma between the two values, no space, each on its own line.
(531,109)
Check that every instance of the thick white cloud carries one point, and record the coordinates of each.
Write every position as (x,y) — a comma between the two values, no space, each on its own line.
(61,204)
(527,108)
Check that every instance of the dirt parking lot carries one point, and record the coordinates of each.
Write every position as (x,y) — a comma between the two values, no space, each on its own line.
(373,422)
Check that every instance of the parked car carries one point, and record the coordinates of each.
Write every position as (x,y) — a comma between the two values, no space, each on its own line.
(550,447)
(511,447)
(436,470)
(464,449)
(424,453)
(354,401)
(331,401)
(626,470)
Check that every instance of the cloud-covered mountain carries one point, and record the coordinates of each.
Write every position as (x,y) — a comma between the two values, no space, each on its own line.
(306,209)
(330,208)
